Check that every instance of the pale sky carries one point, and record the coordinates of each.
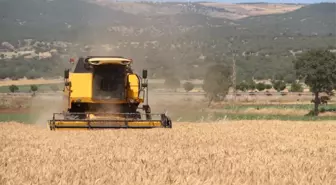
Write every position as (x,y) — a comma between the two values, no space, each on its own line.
(244,1)
(278,1)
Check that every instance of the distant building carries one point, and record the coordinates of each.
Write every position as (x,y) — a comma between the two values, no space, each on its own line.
(44,55)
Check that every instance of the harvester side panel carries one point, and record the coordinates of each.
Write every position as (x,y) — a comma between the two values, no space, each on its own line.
(81,85)
(134,86)
(66,98)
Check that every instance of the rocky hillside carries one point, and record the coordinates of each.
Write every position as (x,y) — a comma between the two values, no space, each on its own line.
(166,43)
(317,19)
(212,9)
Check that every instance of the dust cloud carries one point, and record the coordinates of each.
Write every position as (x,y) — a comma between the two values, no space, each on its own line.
(42,108)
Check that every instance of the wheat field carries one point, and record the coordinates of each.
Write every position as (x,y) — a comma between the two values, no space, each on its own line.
(227,152)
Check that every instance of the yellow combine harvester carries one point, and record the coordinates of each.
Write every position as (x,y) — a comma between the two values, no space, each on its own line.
(104,92)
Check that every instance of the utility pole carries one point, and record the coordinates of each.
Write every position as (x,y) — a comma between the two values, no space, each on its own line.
(234,74)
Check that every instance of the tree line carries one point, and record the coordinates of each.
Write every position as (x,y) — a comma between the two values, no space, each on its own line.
(32,88)
(316,68)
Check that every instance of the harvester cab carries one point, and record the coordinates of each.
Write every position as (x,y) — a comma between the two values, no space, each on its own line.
(104,92)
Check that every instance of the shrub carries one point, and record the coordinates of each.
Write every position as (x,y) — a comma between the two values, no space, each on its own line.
(33,88)
(261,86)
(13,88)
(188,86)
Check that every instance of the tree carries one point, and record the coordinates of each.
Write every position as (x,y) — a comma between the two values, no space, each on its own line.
(172,82)
(188,86)
(261,86)
(13,88)
(268,86)
(33,88)
(279,85)
(317,67)
(252,85)
(296,87)
(217,81)
(243,86)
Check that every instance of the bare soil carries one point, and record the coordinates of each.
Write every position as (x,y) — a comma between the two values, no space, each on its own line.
(246,10)
(235,11)
(13,111)
(28,82)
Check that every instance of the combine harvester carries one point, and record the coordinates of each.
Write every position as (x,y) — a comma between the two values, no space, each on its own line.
(104,92)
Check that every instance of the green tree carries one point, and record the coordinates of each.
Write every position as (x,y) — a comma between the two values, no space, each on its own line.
(268,86)
(33,88)
(318,69)
(13,88)
(296,87)
(279,85)
(252,85)
(261,86)
(217,81)
(188,86)
(243,86)
(172,82)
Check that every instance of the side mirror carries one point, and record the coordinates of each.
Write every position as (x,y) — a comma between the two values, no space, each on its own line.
(72,60)
(144,74)
(66,74)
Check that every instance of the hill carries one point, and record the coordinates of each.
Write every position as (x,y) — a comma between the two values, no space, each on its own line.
(242,10)
(41,33)
(211,9)
(316,19)
(70,20)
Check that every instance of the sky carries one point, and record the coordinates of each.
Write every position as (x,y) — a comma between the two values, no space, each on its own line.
(278,1)
(270,1)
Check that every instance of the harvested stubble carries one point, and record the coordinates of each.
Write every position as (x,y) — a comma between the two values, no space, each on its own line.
(239,152)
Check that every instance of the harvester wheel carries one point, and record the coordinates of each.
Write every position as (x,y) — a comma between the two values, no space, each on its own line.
(51,125)
(148,112)
(167,123)
(135,115)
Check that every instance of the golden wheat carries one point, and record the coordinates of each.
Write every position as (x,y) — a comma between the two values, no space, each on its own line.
(265,111)
(230,152)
